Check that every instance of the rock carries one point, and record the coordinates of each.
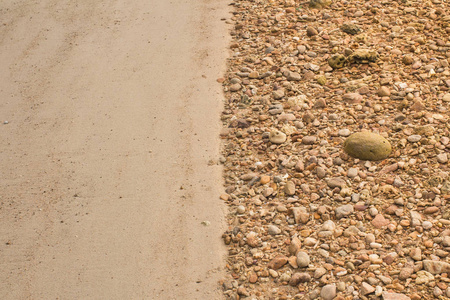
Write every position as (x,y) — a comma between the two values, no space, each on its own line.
(352,98)
(344,211)
(344,132)
(394,296)
(277,262)
(367,146)
(310,31)
(416,254)
(294,246)
(235,87)
(240,209)
(252,239)
(366,289)
(253,278)
(301,215)
(328,226)
(423,277)
(390,258)
(350,28)
(328,292)
(446,98)
(379,221)
(278,94)
(277,137)
(417,106)
(320,103)
(414,138)
(289,188)
(302,259)
(319,3)
(322,80)
(243,291)
(337,61)
(352,172)
(336,182)
(384,91)
(405,273)
(299,278)
(273,230)
(294,76)
(408,60)
(309,140)
(436,267)
(363,56)
(319,272)
(442,158)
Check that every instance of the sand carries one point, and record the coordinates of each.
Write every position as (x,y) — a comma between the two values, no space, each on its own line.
(109,158)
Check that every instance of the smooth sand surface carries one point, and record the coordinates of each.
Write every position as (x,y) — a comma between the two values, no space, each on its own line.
(108,163)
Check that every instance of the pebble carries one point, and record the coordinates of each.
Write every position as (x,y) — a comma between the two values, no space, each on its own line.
(384,91)
(366,289)
(344,211)
(414,138)
(436,267)
(301,82)
(277,137)
(302,259)
(352,172)
(328,292)
(442,158)
(394,296)
(273,230)
(424,277)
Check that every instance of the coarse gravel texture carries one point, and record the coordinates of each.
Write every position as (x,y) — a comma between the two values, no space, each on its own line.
(306,220)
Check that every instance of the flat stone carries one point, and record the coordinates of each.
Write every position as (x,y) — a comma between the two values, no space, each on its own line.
(394,296)
(414,138)
(367,146)
(436,267)
(336,182)
(352,98)
(277,262)
(405,273)
(294,76)
(278,94)
(299,278)
(344,211)
(379,221)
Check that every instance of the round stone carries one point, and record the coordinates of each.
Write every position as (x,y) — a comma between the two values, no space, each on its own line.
(367,146)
